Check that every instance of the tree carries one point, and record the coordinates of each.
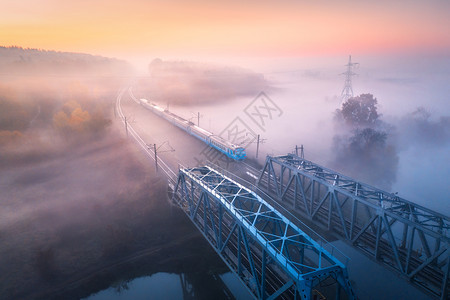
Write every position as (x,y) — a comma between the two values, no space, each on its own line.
(79,120)
(61,122)
(155,65)
(420,128)
(367,156)
(14,115)
(366,140)
(73,119)
(360,111)
(7,136)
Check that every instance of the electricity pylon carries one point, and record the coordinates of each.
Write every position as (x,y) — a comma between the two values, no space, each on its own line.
(347,91)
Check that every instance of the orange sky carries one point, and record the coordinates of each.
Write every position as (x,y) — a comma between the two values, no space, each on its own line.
(243,28)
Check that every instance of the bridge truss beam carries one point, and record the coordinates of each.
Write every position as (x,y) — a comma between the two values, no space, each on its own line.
(270,255)
(411,239)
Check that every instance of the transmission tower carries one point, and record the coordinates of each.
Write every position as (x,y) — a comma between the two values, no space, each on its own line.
(347,91)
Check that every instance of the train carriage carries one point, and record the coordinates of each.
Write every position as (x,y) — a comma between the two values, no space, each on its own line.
(229,149)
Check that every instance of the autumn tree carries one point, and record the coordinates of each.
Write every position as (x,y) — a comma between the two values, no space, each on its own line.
(72,119)
(7,136)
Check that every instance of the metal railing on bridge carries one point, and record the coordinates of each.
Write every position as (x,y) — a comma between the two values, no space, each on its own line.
(407,237)
(271,255)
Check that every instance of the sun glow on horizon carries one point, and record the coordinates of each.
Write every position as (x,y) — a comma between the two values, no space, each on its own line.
(200,27)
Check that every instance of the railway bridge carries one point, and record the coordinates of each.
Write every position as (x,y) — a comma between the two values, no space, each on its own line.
(406,237)
(272,257)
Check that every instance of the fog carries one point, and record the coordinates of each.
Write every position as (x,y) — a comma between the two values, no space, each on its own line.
(79,205)
(50,116)
(412,95)
(77,196)
(193,83)
(420,128)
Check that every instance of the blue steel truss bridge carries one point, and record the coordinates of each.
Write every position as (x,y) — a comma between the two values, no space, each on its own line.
(404,236)
(272,257)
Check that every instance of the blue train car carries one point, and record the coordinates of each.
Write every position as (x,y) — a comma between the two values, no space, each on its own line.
(229,149)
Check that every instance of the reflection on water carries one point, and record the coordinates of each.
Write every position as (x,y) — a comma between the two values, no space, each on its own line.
(157,286)
(174,286)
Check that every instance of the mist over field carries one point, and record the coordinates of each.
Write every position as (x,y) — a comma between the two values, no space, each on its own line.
(80,208)
(193,83)
(77,197)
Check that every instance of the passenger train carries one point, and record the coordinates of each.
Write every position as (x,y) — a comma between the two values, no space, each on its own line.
(232,151)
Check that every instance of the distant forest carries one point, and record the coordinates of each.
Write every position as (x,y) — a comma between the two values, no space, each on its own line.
(27,61)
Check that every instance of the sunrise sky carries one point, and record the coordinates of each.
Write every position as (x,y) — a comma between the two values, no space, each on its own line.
(242,28)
